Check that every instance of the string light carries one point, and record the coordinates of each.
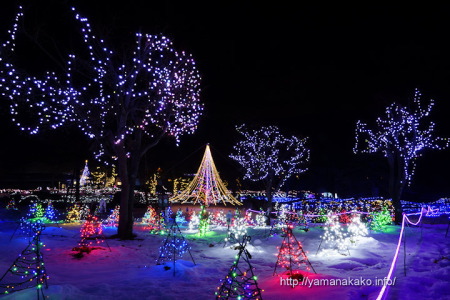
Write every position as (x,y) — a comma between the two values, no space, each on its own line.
(156,92)
(203,225)
(73,215)
(380,219)
(334,235)
(206,187)
(91,233)
(403,133)
(174,246)
(240,282)
(291,255)
(356,228)
(194,221)
(85,175)
(113,218)
(266,154)
(28,270)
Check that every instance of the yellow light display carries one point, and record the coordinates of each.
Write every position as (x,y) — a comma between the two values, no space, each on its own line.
(206,187)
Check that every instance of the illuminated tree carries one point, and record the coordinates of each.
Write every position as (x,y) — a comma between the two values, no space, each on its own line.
(194,221)
(85,211)
(73,214)
(126,102)
(219,219)
(11,204)
(114,218)
(149,215)
(203,223)
(401,136)
(267,155)
(35,211)
(240,282)
(380,219)
(356,228)
(85,175)
(51,214)
(28,270)
(261,220)
(291,255)
(237,230)
(206,187)
(91,234)
(174,246)
(179,218)
(334,236)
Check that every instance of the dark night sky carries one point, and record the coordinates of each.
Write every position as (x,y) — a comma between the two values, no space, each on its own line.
(312,70)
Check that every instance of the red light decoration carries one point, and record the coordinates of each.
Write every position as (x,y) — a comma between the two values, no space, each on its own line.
(291,255)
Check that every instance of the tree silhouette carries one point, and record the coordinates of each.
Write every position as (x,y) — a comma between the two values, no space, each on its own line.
(401,136)
(267,155)
(125,102)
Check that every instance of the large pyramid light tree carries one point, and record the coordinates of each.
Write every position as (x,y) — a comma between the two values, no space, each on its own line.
(125,101)
(267,155)
(206,187)
(401,136)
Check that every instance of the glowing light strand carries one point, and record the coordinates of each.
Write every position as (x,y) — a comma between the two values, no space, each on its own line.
(383,292)
(266,153)
(206,187)
(240,282)
(28,270)
(156,91)
(291,255)
(404,132)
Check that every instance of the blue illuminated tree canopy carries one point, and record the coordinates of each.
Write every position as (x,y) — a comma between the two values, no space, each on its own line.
(125,102)
(402,135)
(267,155)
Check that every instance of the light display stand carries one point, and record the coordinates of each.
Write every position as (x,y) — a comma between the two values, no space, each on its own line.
(241,282)
(174,245)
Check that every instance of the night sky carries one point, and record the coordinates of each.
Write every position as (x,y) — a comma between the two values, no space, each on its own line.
(311,70)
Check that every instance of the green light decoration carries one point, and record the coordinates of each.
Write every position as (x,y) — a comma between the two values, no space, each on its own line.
(203,225)
(381,219)
(28,269)
(241,282)
(323,216)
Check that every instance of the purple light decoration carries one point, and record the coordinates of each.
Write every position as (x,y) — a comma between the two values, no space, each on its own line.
(402,131)
(155,92)
(265,154)
(383,290)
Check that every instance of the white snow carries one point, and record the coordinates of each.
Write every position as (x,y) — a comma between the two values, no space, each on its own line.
(129,270)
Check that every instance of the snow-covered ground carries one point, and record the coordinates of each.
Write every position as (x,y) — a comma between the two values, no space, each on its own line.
(129,270)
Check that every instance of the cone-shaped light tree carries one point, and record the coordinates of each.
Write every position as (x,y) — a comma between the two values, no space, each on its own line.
(401,136)
(206,188)
(269,156)
(126,102)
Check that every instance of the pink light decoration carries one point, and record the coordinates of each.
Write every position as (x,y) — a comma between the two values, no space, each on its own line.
(383,290)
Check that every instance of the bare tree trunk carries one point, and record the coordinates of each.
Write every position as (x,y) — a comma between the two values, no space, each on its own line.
(396,185)
(128,167)
(77,182)
(269,196)
(123,230)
